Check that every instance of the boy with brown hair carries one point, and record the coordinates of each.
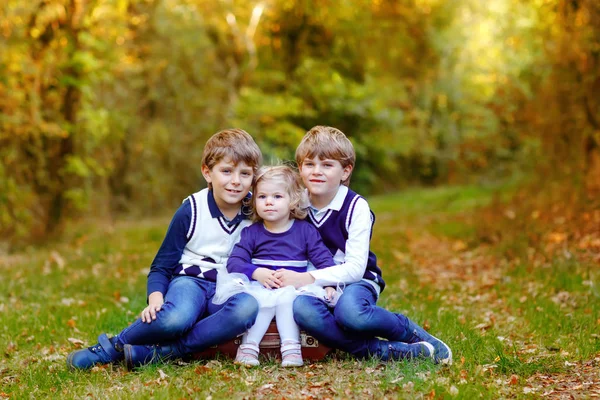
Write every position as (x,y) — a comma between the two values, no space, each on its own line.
(326,159)
(181,282)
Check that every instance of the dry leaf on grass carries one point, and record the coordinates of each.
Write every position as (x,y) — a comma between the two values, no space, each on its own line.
(76,342)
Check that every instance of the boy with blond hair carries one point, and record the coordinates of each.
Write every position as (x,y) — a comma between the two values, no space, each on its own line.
(326,159)
(181,282)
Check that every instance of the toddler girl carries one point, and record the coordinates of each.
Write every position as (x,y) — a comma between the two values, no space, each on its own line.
(279,238)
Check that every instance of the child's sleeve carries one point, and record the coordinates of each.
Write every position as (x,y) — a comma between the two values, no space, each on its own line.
(167,258)
(318,254)
(240,260)
(357,250)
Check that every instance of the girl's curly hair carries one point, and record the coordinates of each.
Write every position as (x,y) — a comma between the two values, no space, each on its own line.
(293,184)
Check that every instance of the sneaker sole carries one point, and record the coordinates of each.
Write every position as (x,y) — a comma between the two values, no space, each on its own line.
(291,364)
(246,364)
(128,363)
(70,362)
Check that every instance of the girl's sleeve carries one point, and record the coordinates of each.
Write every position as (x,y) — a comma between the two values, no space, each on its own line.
(318,254)
(167,258)
(357,250)
(240,260)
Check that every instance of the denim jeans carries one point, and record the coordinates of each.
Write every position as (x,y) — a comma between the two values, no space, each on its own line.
(189,316)
(355,323)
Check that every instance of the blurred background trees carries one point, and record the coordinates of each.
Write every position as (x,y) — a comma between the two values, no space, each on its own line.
(105,104)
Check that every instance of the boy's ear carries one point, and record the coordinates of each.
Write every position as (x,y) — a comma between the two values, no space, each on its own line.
(206,173)
(347,171)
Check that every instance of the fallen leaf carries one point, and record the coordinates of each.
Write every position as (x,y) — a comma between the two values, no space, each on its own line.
(522,299)
(459,245)
(202,369)
(57,258)
(557,237)
(426,325)
(510,214)
(76,342)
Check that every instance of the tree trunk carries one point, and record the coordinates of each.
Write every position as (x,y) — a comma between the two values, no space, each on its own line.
(70,108)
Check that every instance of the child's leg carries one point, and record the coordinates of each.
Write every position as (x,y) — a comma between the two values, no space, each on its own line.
(287,327)
(224,322)
(313,316)
(289,332)
(185,301)
(247,353)
(258,330)
(356,310)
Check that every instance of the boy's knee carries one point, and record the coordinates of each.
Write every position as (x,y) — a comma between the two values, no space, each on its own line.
(307,310)
(244,308)
(174,323)
(351,314)
(348,305)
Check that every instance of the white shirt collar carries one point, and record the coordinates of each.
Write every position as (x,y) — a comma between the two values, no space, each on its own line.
(336,203)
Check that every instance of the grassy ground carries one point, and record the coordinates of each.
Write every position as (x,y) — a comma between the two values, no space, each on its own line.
(523,327)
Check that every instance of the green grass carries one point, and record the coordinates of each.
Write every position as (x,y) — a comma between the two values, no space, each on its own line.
(506,321)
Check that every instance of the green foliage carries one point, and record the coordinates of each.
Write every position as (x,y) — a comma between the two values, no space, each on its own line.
(106,105)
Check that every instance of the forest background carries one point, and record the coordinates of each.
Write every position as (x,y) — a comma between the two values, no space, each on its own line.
(105,104)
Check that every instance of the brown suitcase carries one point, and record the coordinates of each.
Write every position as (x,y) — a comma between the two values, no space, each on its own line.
(269,346)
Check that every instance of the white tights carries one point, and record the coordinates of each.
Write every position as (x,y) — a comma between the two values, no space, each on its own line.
(284,317)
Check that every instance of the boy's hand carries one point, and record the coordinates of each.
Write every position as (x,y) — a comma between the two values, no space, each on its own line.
(155,302)
(266,277)
(293,278)
(329,293)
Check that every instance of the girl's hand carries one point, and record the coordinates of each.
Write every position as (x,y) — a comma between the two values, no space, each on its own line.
(266,277)
(329,293)
(293,278)
(155,302)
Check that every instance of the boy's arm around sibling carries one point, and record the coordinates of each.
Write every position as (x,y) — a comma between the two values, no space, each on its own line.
(354,263)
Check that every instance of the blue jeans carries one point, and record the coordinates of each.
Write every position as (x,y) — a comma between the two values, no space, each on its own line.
(189,317)
(355,323)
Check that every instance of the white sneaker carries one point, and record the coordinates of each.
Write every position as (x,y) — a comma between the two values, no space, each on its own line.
(247,355)
(291,354)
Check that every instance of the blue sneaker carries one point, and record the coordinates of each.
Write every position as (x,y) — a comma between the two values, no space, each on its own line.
(404,351)
(140,355)
(442,354)
(103,352)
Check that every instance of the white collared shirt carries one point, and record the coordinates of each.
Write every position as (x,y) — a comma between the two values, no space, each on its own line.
(352,267)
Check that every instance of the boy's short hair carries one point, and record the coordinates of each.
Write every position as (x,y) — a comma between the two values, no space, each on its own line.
(235,144)
(293,184)
(326,142)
